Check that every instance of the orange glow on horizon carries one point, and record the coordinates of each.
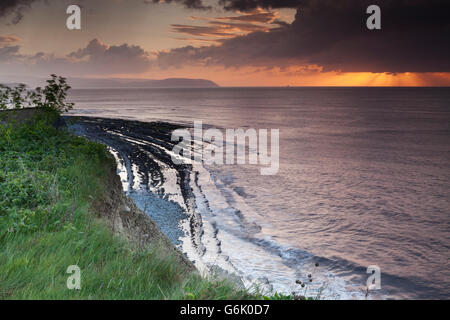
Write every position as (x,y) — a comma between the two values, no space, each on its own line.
(293,76)
(385,79)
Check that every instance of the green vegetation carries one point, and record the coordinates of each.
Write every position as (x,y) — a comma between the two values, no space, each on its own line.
(50,98)
(48,181)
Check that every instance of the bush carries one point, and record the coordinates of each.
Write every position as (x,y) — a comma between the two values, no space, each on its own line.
(52,97)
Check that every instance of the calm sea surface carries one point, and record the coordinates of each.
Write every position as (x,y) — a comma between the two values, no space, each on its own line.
(364,180)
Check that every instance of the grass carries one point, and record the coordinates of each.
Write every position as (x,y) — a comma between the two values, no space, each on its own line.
(48,182)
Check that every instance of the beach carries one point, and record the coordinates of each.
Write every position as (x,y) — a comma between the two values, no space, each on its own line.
(165,191)
(149,177)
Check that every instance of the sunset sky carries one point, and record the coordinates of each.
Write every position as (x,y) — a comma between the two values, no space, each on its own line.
(231,42)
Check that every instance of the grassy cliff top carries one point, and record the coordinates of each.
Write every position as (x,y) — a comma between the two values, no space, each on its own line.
(51,185)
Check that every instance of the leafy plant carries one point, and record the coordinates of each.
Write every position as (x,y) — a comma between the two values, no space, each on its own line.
(52,97)
(279,296)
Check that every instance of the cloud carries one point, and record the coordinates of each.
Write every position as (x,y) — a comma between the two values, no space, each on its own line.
(14,8)
(97,58)
(191,4)
(218,29)
(246,5)
(255,16)
(9,53)
(326,35)
(333,35)
(17,8)
(8,40)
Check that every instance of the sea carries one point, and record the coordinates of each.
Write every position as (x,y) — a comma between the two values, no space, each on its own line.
(363,184)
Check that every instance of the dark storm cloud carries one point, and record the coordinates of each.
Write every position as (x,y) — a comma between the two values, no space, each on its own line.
(328,33)
(333,34)
(245,5)
(14,8)
(17,8)
(192,4)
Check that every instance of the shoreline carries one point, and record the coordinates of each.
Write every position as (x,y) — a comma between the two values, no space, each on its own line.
(172,196)
(138,172)
(157,186)
(166,192)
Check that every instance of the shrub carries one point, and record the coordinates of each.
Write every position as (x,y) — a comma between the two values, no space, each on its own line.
(52,97)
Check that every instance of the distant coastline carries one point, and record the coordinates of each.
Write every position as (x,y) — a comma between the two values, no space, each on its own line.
(80,83)
(119,83)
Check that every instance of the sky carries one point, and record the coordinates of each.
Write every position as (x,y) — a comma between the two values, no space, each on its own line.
(231,42)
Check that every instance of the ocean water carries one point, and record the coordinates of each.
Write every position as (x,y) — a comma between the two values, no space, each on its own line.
(364,179)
